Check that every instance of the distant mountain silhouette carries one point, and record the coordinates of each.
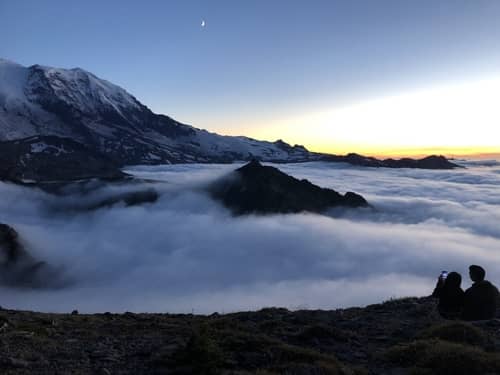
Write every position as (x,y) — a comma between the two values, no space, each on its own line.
(255,188)
(429,162)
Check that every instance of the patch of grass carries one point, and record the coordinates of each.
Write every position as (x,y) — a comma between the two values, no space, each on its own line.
(398,300)
(322,332)
(224,323)
(201,355)
(318,368)
(259,352)
(36,328)
(270,325)
(458,332)
(443,357)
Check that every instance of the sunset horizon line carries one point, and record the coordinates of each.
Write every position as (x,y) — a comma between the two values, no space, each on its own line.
(453,153)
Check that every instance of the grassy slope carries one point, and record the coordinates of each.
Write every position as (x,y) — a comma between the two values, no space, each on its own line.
(403,336)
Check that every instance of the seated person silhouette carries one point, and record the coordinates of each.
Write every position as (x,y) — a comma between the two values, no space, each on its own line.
(450,294)
(481,299)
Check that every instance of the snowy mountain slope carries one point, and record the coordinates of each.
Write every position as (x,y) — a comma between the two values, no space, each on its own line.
(75,104)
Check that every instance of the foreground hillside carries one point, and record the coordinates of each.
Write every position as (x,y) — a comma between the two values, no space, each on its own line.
(404,336)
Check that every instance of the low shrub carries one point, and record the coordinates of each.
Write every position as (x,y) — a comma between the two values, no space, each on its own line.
(201,354)
(458,332)
(444,358)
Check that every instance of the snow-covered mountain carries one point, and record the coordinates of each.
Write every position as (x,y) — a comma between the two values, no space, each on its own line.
(37,102)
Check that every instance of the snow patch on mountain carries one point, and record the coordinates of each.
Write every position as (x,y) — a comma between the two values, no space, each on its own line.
(73,103)
(83,90)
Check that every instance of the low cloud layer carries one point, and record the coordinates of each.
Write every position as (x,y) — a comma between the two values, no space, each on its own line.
(185,252)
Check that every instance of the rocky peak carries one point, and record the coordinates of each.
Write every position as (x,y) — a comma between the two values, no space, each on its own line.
(79,89)
(255,188)
(19,269)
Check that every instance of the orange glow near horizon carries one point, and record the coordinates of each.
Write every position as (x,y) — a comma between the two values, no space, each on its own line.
(455,121)
(469,152)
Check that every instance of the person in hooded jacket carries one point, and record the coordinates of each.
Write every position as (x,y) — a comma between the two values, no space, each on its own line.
(451,296)
(481,299)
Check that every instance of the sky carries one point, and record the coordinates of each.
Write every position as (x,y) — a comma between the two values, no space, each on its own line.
(382,77)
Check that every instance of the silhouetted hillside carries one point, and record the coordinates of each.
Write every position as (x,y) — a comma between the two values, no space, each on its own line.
(264,189)
(429,162)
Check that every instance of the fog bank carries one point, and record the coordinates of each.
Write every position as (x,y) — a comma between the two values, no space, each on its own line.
(186,253)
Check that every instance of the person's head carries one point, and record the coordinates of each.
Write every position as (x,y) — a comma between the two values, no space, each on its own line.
(477,273)
(453,280)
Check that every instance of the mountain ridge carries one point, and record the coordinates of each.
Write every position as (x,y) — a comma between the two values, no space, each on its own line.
(74,103)
(117,130)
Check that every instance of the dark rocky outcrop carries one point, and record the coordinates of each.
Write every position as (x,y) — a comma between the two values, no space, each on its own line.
(132,198)
(11,249)
(85,204)
(255,188)
(429,162)
(44,159)
(19,269)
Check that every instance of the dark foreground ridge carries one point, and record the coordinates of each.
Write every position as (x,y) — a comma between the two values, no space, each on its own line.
(405,336)
(255,188)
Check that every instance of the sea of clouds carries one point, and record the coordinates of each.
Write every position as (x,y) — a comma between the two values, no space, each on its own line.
(186,253)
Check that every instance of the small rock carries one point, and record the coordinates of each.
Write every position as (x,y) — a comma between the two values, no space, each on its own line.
(26,334)
(14,362)
(4,326)
(111,359)
(359,355)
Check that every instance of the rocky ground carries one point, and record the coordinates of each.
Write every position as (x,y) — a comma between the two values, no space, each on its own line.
(404,336)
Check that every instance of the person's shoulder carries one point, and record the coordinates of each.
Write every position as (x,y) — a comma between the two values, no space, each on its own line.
(490,285)
(485,284)
(471,288)
(457,290)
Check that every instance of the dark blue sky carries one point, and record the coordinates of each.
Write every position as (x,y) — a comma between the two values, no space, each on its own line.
(261,60)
